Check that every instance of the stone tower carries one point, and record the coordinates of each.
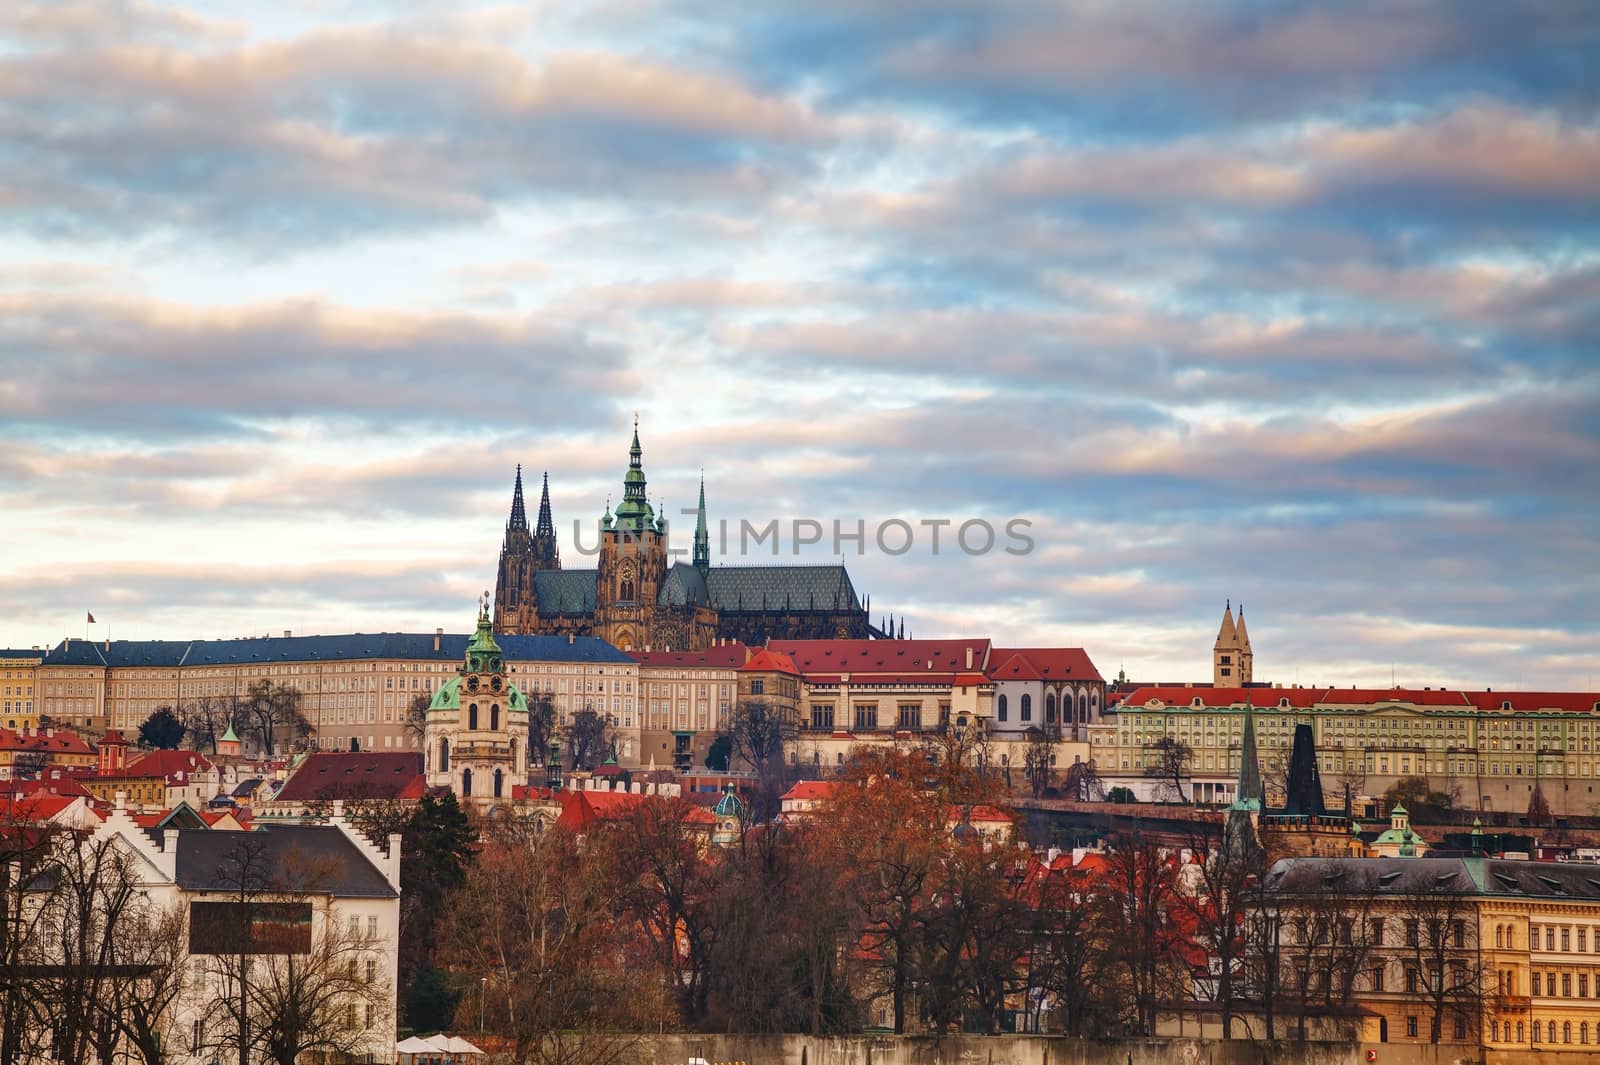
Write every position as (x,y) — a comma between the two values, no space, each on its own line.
(1231,665)
(633,562)
(523,553)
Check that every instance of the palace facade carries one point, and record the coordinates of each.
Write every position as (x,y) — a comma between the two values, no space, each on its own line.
(638,598)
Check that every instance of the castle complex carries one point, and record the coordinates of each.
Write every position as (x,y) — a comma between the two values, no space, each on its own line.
(637,598)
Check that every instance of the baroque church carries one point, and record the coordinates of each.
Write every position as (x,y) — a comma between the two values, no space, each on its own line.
(640,598)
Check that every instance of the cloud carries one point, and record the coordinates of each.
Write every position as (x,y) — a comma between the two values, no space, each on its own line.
(341,131)
(81,365)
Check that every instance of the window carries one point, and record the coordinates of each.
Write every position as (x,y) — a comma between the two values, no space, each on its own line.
(821,717)
(1375,931)
(1566,985)
(1377,978)
(910,716)
(1582,934)
(1411,1027)
(1461,1027)
(1533,937)
(1536,985)
(1002,709)
(1566,939)
(867,718)
(1460,934)
(1583,985)
(1027,708)
(1411,933)
(1494,1031)
(1550,942)
(1411,983)
(758,687)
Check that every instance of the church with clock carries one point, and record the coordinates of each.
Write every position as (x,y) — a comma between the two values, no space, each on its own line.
(637,598)
(475,736)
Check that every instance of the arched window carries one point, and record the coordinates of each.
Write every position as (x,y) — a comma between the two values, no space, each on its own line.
(627,589)
(1519,1031)
(1494,1031)
(494,717)
(1027,708)
(1550,1032)
(1083,706)
(1583,1032)
(515,765)
(498,783)
(472,715)
(1499,936)
(466,782)
(1566,1032)
(444,756)
(1050,707)
(1002,708)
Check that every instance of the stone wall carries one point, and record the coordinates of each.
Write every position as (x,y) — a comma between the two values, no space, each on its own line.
(1046,1050)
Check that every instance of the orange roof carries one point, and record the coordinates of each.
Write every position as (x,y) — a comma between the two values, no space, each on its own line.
(812,790)
(723,656)
(896,657)
(1049,663)
(580,809)
(113,738)
(981,812)
(766,661)
(356,775)
(1258,697)
(1525,702)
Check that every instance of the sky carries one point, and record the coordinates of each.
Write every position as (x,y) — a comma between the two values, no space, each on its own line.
(1291,305)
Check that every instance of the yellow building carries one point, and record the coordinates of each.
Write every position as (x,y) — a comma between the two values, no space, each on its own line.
(1487,749)
(18,709)
(686,699)
(355,689)
(1503,953)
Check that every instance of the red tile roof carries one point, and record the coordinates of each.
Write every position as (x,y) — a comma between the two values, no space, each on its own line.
(1051,663)
(896,657)
(177,766)
(59,741)
(581,809)
(812,790)
(768,661)
(1525,702)
(1259,697)
(1417,696)
(356,775)
(724,656)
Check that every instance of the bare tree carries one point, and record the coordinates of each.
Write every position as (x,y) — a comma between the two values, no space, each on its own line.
(589,739)
(206,719)
(1171,766)
(29,853)
(310,985)
(1440,956)
(269,710)
(416,715)
(155,952)
(759,731)
(1036,759)
(1138,894)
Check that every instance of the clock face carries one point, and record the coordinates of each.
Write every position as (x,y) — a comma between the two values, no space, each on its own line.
(495,684)
(472,684)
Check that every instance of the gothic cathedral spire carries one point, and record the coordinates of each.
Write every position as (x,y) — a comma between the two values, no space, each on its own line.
(519,515)
(702,538)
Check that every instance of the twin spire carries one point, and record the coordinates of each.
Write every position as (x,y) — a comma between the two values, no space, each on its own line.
(634,508)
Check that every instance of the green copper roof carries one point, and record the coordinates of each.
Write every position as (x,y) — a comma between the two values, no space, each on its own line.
(634,513)
(228,736)
(483,640)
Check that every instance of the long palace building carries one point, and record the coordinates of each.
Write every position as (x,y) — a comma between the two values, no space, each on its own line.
(637,598)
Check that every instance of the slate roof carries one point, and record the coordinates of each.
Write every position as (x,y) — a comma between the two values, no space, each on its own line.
(565,591)
(401,646)
(1409,876)
(752,589)
(355,775)
(206,859)
(17,652)
(722,656)
(1260,698)
(683,585)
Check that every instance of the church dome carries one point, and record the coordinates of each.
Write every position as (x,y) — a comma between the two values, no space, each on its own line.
(483,656)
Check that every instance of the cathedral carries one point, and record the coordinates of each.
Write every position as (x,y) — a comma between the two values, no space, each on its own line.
(637,598)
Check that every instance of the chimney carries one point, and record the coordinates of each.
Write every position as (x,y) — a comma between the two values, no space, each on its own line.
(438,635)
(169,841)
(287,633)
(570,639)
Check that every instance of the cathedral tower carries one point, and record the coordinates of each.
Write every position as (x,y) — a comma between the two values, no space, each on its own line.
(633,561)
(522,554)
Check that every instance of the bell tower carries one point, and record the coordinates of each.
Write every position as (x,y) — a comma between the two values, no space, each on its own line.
(1231,660)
